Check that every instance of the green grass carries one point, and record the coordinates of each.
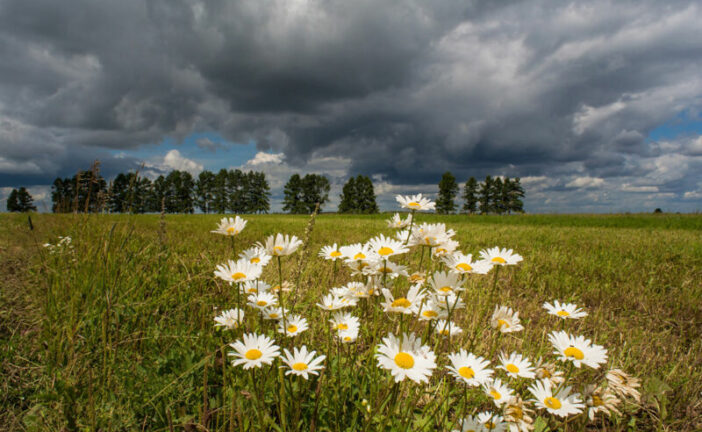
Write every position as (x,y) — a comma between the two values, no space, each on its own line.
(122,338)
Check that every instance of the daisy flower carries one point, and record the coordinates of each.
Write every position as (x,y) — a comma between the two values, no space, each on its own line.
(355,252)
(397,222)
(431,310)
(388,268)
(445,283)
(459,263)
(273,313)
(469,369)
(519,415)
(445,248)
(357,290)
(491,421)
(600,399)
(262,300)
(343,321)
(517,366)
(449,302)
(331,302)
(385,247)
(432,234)
(282,245)
(256,255)
(415,202)
(498,391)
(562,404)
(407,305)
(501,257)
(406,359)
(447,328)
(349,335)
(505,320)
(564,310)
(578,350)
(293,325)
(254,351)
(254,287)
(303,363)
(469,424)
(417,278)
(549,371)
(230,226)
(230,319)
(238,271)
(624,384)
(330,252)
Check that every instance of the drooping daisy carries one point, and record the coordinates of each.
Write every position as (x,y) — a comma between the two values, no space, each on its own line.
(491,421)
(447,328)
(303,363)
(501,257)
(262,300)
(254,351)
(498,391)
(517,366)
(445,248)
(238,271)
(431,310)
(386,268)
(518,415)
(578,350)
(397,222)
(253,287)
(287,287)
(331,253)
(505,320)
(624,384)
(562,404)
(564,310)
(415,202)
(357,290)
(459,263)
(409,359)
(600,399)
(469,369)
(445,283)
(293,325)
(282,245)
(385,247)
(230,226)
(549,371)
(469,424)
(417,278)
(407,305)
(256,255)
(331,302)
(230,319)
(274,313)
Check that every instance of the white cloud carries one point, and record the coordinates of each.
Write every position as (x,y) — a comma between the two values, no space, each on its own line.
(588,116)
(175,161)
(266,158)
(626,187)
(586,183)
(690,195)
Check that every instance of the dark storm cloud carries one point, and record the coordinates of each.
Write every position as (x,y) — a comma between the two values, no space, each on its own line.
(404,90)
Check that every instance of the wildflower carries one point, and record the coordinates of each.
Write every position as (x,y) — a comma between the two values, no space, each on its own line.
(397,222)
(355,252)
(387,268)
(230,226)
(564,310)
(432,310)
(385,247)
(303,363)
(469,424)
(498,391)
(407,305)
(357,290)
(501,257)
(491,421)
(600,399)
(330,253)
(550,372)
(254,287)
(623,384)
(415,202)
(517,366)
(293,325)
(256,255)
(449,302)
(406,358)
(469,369)
(577,349)
(445,283)
(445,248)
(287,287)
(344,321)
(262,300)
(417,278)
(349,335)
(519,415)
(562,404)
(254,351)
(331,302)
(505,320)
(282,245)
(432,235)
(446,328)
(273,313)
(230,319)
(459,263)
(238,271)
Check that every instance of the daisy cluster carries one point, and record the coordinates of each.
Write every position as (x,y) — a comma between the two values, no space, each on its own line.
(426,342)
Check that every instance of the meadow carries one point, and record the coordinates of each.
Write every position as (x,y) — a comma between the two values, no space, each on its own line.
(118,333)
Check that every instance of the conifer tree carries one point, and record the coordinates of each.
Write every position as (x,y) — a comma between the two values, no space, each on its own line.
(348,197)
(485,195)
(292,200)
(315,189)
(12,202)
(220,198)
(358,196)
(25,201)
(497,194)
(470,191)
(204,191)
(448,189)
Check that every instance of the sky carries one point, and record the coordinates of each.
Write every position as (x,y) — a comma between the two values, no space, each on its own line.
(595,105)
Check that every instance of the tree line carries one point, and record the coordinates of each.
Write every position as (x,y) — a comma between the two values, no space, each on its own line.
(20,200)
(301,194)
(498,195)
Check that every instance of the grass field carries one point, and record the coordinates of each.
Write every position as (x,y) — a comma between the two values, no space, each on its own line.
(119,334)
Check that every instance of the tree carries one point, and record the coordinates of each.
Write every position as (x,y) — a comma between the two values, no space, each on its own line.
(12,202)
(315,189)
(448,189)
(118,194)
(515,193)
(485,195)
(292,195)
(204,191)
(25,200)
(348,196)
(220,198)
(258,193)
(236,191)
(498,204)
(358,196)
(470,191)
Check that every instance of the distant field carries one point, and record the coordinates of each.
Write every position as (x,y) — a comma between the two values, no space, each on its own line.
(122,337)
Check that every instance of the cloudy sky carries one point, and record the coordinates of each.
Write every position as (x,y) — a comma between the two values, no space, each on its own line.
(596,105)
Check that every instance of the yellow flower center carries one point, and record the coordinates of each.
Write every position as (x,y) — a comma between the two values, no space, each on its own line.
(335,254)
(416,277)
(512,368)
(428,240)
(430,314)
(277,249)
(515,412)
(299,366)
(502,323)
(401,302)
(466,372)
(597,401)
(445,332)
(489,425)
(562,313)
(545,373)
(413,204)
(552,403)
(499,260)
(404,360)
(463,267)
(446,289)
(495,394)
(273,315)
(253,354)
(292,328)
(574,352)
(342,326)
(232,230)
(261,303)
(238,276)
(359,256)
(440,251)
(385,251)
(251,291)
(255,260)
(347,338)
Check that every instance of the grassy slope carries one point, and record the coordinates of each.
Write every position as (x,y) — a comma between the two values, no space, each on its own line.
(121,337)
